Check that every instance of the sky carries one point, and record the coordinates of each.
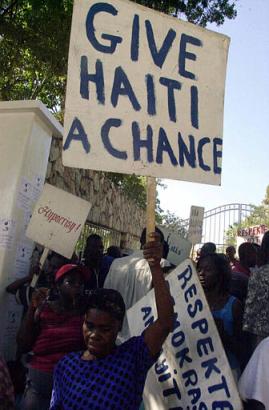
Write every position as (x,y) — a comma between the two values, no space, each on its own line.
(245,168)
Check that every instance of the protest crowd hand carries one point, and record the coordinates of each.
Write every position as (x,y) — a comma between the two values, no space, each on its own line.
(38,297)
(153,250)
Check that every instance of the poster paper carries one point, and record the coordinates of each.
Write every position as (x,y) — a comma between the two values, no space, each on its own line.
(192,371)
(145,93)
(57,220)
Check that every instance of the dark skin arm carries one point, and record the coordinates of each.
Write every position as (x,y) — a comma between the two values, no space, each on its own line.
(29,328)
(156,333)
(14,286)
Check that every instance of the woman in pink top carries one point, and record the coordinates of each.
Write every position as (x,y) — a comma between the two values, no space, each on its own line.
(50,330)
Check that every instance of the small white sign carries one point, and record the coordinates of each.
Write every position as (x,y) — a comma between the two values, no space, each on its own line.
(145,93)
(57,220)
(179,248)
(192,371)
(196,224)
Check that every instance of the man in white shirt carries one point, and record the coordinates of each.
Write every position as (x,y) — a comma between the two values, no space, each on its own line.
(254,382)
(131,277)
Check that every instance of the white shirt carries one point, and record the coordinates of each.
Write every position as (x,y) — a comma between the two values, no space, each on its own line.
(131,276)
(254,381)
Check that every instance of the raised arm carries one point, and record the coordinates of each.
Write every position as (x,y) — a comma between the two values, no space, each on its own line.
(14,286)
(156,333)
(17,284)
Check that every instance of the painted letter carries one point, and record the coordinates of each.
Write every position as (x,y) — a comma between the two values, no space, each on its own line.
(171,86)
(112,122)
(201,144)
(159,56)
(122,86)
(97,78)
(164,145)
(183,54)
(216,154)
(138,143)
(90,30)
(77,133)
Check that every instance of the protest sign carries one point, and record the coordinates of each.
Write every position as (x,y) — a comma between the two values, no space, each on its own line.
(179,248)
(145,93)
(57,220)
(196,224)
(192,371)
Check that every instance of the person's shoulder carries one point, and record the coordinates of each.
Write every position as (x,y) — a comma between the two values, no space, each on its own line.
(263,346)
(133,344)
(126,261)
(239,276)
(68,359)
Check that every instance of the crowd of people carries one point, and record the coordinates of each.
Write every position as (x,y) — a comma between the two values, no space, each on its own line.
(74,349)
(237,292)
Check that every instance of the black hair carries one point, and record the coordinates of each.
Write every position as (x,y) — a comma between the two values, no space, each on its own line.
(244,249)
(93,237)
(106,300)
(144,235)
(207,249)
(230,248)
(222,270)
(114,251)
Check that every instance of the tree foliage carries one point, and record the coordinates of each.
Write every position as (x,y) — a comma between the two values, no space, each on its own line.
(34,39)
(173,223)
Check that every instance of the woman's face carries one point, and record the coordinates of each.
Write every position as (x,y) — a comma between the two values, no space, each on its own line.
(207,273)
(72,285)
(100,331)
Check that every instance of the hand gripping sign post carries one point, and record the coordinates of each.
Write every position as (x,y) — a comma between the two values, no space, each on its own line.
(192,371)
(57,221)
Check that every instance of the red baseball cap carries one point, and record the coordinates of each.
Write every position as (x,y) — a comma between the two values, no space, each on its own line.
(71,267)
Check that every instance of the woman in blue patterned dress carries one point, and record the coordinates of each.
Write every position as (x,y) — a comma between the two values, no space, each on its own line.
(106,376)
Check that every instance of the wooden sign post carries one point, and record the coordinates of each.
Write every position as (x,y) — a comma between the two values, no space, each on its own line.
(151,205)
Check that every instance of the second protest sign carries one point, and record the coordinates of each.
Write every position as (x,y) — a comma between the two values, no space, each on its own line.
(57,220)
(192,371)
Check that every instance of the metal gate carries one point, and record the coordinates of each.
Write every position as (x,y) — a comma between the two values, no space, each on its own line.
(219,219)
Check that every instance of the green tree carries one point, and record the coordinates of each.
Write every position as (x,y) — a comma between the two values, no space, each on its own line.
(35,39)
(173,222)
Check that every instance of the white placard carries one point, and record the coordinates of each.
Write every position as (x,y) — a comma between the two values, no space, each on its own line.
(192,371)
(145,93)
(57,220)
(179,248)
(196,224)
